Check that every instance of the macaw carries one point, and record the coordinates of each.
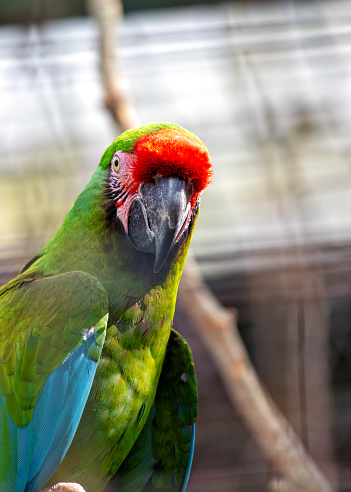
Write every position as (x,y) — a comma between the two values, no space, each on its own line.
(95,385)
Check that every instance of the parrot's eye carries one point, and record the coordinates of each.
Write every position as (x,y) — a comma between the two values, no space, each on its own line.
(116,163)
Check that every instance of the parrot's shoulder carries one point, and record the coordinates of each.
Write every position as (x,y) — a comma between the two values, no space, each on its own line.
(161,457)
(42,321)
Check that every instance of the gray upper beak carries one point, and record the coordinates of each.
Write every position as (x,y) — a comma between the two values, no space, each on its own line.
(156,218)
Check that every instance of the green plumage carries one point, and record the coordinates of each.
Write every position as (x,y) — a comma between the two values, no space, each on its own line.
(88,273)
(160,455)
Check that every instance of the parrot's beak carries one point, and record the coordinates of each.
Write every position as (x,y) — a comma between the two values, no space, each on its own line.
(157,216)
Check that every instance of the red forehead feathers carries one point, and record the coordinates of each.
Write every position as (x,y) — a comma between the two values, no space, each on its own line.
(171,152)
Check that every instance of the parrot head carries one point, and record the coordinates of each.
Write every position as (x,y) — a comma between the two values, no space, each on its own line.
(155,175)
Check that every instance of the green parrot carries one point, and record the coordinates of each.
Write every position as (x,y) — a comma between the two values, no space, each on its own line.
(95,385)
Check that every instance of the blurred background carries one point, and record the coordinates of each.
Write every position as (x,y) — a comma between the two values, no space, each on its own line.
(267,86)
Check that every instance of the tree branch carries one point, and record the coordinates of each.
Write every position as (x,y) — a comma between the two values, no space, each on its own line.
(108,14)
(217,327)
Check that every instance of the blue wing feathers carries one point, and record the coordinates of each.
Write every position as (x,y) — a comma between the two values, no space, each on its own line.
(72,410)
(36,451)
(46,417)
(24,454)
(78,371)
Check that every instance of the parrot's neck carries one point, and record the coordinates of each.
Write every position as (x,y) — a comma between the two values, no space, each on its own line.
(87,242)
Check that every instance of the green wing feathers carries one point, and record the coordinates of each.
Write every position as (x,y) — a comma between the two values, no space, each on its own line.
(41,322)
(160,457)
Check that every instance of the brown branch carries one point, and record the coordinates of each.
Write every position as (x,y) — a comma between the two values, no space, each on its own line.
(274,434)
(108,15)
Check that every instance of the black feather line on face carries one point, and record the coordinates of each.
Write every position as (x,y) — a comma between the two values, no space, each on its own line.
(113,192)
(193,216)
